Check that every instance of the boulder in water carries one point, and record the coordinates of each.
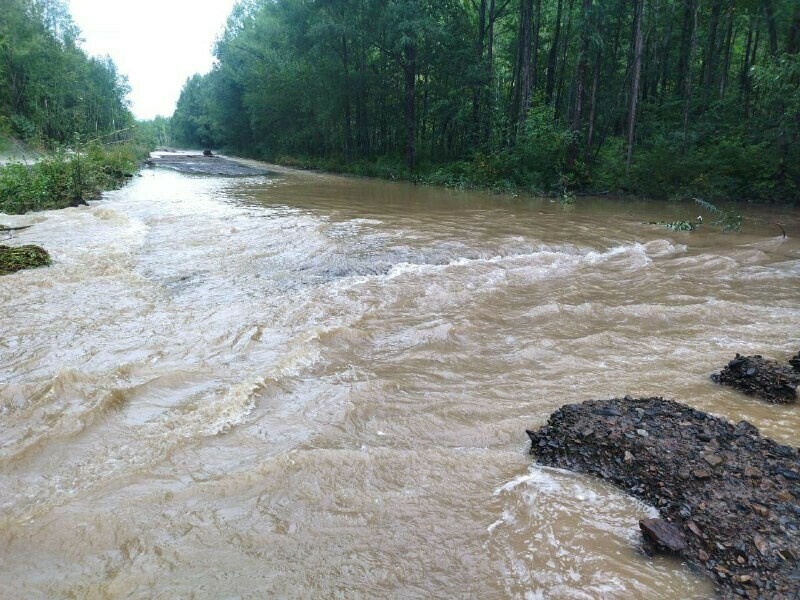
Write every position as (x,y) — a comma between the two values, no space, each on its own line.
(757,376)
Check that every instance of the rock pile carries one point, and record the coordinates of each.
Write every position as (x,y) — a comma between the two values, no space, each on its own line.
(795,362)
(728,496)
(767,379)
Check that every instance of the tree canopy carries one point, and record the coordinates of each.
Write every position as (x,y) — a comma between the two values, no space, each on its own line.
(654,96)
(50,90)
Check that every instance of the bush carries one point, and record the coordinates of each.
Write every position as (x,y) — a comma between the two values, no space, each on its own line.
(66,179)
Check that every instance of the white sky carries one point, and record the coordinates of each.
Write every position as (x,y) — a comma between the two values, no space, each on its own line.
(156,43)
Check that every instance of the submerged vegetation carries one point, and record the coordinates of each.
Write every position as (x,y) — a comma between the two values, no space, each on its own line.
(676,97)
(726,220)
(16,258)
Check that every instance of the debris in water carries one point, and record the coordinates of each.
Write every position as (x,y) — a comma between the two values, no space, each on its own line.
(16,258)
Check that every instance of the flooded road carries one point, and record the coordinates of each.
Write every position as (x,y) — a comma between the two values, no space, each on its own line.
(300,385)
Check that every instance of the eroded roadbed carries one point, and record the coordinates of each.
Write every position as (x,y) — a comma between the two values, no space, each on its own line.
(199,164)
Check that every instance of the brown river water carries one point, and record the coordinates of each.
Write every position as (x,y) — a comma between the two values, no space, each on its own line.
(303,385)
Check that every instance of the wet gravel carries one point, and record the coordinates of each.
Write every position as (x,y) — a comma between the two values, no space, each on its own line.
(199,164)
(758,376)
(728,496)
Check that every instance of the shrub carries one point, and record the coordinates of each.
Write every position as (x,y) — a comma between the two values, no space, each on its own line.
(65,178)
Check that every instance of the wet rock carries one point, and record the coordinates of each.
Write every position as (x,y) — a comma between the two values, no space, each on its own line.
(753,472)
(208,153)
(795,362)
(757,376)
(663,535)
(734,506)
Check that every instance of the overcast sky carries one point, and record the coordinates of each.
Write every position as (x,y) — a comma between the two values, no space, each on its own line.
(156,43)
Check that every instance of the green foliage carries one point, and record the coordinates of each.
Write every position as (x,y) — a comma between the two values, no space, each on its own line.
(352,84)
(540,155)
(728,220)
(49,88)
(154,133)
(66,178)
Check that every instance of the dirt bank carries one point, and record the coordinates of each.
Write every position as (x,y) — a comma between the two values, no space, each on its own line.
(731,494)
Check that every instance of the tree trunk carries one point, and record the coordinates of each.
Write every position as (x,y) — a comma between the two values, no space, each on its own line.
(710,63)
(687,90)
(772,27)
(744,75)
(563,66)
(490,100)
(686,36)
(348,129)
(410,73)
(553,55)
(726,61)
(535,52)
(361,104)
(793,42)
(593,109)
(580,83)
(635,76)
(478,91)
(525,72)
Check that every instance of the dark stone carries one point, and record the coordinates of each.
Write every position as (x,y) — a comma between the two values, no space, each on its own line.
(795,362)
(663,535)
(208,153)
(757,376)
(738,518)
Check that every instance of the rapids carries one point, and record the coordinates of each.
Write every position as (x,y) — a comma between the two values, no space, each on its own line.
(301,385)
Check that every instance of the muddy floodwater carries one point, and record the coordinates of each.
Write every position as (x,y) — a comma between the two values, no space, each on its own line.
(306,386)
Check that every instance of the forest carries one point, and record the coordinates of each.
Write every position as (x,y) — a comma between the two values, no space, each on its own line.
(69,109)
(664,98)
(51,92)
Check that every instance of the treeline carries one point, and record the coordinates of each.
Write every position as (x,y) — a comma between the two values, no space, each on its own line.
(660,97)
(51,92)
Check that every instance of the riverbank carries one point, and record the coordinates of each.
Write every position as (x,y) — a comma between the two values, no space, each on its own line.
(63,178)
(491,174)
